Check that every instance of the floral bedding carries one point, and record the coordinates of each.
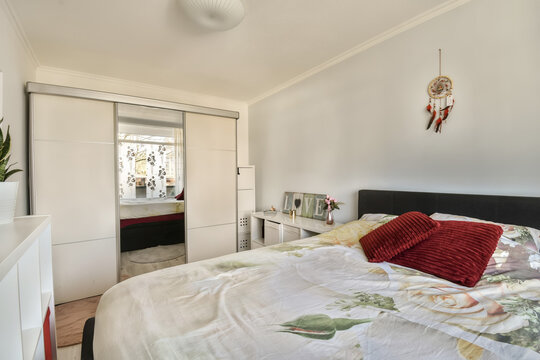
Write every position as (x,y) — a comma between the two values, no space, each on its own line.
(319,298)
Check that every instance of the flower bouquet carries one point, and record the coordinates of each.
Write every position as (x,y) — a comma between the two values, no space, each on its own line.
(331,205)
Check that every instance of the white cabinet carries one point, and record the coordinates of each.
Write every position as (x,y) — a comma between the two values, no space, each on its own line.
(272,233)
(73,179)
(270,228)
(210,189)
(246,204)
(26,289)
(291,233)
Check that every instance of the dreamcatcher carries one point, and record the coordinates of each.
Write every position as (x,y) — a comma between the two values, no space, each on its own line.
(441,100)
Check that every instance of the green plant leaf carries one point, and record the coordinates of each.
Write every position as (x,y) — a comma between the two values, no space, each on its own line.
(9,173)
(5,146)
(2,170)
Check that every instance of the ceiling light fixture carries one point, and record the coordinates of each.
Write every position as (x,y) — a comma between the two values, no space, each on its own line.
(215,14)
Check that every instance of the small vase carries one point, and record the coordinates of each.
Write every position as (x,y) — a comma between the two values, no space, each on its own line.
(329,218)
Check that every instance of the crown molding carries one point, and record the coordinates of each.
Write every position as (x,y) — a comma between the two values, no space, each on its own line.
(161,92)
(390,33)
(19,30)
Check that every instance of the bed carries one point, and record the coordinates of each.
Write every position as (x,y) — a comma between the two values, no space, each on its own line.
(318,298)
(150,222)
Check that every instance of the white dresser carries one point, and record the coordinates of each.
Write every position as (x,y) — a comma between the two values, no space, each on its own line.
(27,326)
(270,228)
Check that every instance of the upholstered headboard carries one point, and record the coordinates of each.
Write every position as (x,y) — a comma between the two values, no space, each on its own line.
(515,210)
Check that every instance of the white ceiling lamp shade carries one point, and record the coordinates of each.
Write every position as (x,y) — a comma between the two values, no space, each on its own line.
(215,14)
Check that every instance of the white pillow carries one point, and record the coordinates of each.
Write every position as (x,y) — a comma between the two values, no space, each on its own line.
(380,218)
(526,236)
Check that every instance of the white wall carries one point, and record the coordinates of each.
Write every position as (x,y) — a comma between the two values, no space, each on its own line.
(361,123)
(18,67)
(96,82)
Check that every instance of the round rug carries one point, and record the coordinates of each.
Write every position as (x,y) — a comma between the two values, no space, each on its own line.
(157,254)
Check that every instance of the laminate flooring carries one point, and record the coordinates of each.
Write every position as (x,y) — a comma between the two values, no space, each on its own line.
(70,319)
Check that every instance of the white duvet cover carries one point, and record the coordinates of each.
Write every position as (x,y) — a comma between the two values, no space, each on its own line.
(319,298)
(140,208)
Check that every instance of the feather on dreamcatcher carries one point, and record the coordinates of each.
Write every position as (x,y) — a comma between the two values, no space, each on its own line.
(441,99)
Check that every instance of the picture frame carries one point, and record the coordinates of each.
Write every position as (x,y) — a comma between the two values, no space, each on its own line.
(308,205)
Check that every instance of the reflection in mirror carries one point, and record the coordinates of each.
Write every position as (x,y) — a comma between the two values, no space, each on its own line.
(150,188)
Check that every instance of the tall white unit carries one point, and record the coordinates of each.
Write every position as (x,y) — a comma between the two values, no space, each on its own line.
(210,186)
(246,205)
(27,323)
(72,155)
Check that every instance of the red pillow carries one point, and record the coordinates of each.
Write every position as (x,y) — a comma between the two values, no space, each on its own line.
(180,196)
(458,251)
(398,235)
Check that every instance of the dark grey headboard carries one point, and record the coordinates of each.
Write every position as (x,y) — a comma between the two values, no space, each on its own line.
(515,210)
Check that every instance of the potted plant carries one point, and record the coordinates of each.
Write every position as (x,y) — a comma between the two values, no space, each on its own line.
(8,190)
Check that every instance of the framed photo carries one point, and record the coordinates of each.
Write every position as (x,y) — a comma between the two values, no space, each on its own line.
(307,205)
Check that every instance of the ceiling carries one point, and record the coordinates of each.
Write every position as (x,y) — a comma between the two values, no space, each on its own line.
(151,41)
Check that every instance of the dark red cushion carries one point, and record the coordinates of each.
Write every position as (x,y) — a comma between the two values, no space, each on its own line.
(180,196)
(458,251)
(397,235)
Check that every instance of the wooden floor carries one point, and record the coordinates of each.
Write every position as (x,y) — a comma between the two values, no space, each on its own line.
(70,319)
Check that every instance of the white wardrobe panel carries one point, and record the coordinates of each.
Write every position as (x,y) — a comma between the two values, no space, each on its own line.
(211,183)
(75,184)
(210,132)
(71,119)
(210,186)
(212,241)
(83,269)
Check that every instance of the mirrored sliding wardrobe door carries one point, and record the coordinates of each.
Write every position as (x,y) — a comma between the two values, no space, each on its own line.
(150,149)
(210,186)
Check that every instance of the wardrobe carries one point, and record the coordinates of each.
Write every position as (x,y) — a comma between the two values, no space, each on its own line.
(74,178)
